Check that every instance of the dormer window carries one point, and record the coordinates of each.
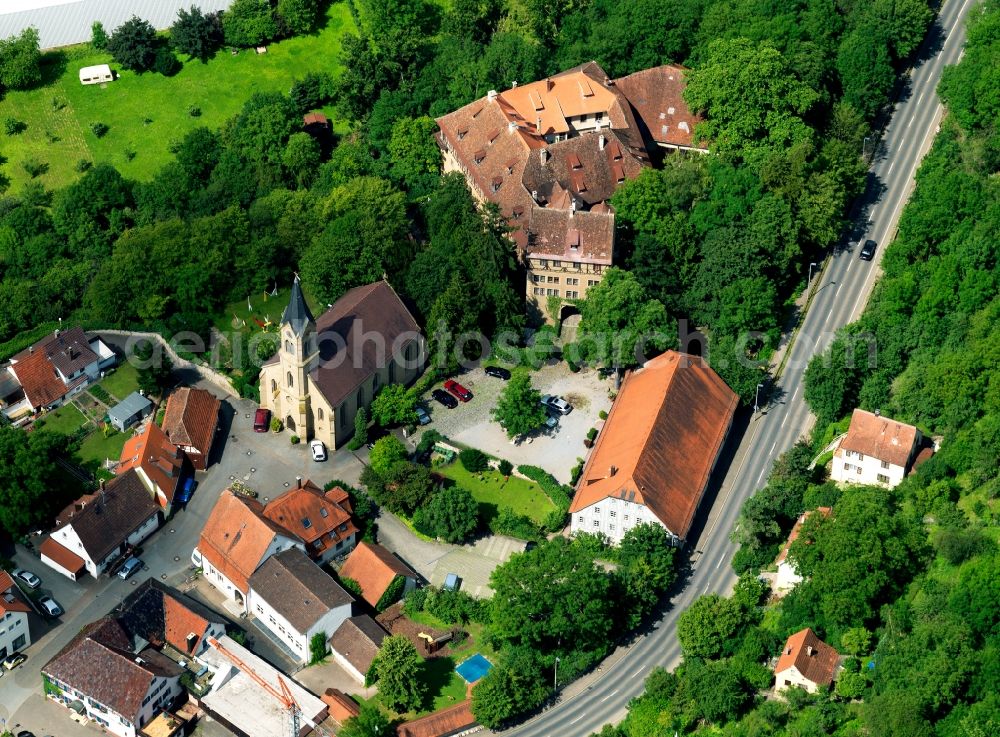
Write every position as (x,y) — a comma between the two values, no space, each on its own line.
(306,522)
(479,156)
(323,512)
(461,133)
(574,161)
(494,135)
(496,183)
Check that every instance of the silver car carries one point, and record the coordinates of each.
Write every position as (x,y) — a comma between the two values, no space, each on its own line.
(557,404)
(51,606)
(28,578)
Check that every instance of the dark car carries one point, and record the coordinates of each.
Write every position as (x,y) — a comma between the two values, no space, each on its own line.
(444,398)
(262,420)
(186,490)
(868,250)
(497,372)
(458,390)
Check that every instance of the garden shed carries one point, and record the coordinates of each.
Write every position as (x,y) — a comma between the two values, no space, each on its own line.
(132,409)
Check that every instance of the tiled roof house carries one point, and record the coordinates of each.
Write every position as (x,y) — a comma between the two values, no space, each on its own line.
(322,520)
(653,459)
(355,645)
(787,577)
(157,461)
(805,661)
(189,422)
(877,450)
(551,153)
(375,568)
(14,610)
(451,722)
(101,527)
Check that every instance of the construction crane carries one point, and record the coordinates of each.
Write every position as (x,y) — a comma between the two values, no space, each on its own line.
(284,696)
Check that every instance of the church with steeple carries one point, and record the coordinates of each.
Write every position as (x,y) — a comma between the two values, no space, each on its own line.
(326,369)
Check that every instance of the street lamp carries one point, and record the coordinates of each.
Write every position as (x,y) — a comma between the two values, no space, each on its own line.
(811,265)
(555,677)
(756,398)
(864,147)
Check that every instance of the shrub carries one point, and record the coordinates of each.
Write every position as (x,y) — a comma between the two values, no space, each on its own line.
(194,111)
(99,129)
(34,167)
(295,439)
(427,441)
(276,425)
(591,433)
(505,467)
(351,585)
(317,648)
(13,126)
(392,594)
(98,36)
(166,63)
(559,494)
(312,91)
(602,414)
(574,475)
(129,154)
(507,522)
(414,601)
(360,430)
(473,460)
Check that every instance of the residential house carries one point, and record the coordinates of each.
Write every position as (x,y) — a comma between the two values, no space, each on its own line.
(342,707)
(653,459)
(355,644)
(296,600)
(787,577)
(129,411)
(876,450)
(551,154)
(375,569)
(46,373)
(454,721)
(190,422)
(157,461)
(103,675)
(100,528)
(325,370)
(806,661)
(14,610)
(240,703)
(236,540)
(322,520)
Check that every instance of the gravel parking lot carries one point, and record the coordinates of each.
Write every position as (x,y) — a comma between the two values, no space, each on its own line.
(557,450)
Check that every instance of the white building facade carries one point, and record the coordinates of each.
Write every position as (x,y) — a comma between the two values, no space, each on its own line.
(876,451)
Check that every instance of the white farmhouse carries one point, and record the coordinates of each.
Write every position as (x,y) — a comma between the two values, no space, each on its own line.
(876,451)
(296,599)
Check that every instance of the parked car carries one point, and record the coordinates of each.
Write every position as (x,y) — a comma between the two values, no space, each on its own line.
(51,606)
(422,417)
(868,250)
(551,421)
(458,390)
(131,566)
(443,397)
(28,578)
(497,372)
(318,450)
(25,733)
(262,420)
(187,490)
(557,404)
(13,660)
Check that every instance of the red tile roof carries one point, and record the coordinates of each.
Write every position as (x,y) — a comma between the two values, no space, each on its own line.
(880,437)
(191,417)
(444,723)
(236,537)
(62,555)
(42,386)
(308,505)
(661,439)
(657,96)
(374,568)
(159,459)
(342,706)
(812,657)
(10,596)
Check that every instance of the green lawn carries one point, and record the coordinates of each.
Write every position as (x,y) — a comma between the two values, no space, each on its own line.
(492,492)
(97,448)
(122,381)
(59,114)
(66,420)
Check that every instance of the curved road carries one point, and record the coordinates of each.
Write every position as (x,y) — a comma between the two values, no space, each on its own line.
(841,293)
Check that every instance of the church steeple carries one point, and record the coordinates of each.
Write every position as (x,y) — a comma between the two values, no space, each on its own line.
(297,315)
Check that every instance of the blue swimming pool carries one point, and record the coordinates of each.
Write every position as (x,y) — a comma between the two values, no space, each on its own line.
(473,668)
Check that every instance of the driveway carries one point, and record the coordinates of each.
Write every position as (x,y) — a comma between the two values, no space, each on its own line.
(556,451)
(266,462)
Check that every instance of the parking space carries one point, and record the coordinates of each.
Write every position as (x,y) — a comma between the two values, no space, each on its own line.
(556,450)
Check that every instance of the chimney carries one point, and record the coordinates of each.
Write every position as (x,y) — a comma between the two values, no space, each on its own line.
(192,640)
(809,650)
(601,142)
(878,413)
(543,155)
(572,207)
(298,482)
(549,84)
(513,84)
(100,484)
(511,126)
(612,471)
(534,195)
(491,95)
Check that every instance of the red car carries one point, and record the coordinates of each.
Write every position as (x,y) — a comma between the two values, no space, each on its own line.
(262,420)
(458,390)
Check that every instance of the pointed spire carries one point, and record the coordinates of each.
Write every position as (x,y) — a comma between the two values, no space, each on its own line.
(297,313)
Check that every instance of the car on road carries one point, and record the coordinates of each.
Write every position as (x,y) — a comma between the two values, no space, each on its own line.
(443,397)
(187,489)
(131,567)
(262,420)
(51,606)
(13,660)
(497,372)
(318,450)
(557,404)
(458,390)
(28,578)
(867,252)
(423,418)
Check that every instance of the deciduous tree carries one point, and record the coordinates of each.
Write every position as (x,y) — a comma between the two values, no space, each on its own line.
(451,514)
(385,453)
(519,410)
(394,405)
(397,669)
(133,45)
(196,34)
(20,61)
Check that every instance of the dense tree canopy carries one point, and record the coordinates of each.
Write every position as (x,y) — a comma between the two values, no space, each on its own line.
(33,487)
(133,44)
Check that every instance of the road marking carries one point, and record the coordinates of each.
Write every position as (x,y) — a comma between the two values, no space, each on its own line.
(920,99)
(719,564)
(786,414)
(760,478)
(797,389)
(608,696)
(892,164)
(579,718)
(773,445)
(911,120)
(639,670)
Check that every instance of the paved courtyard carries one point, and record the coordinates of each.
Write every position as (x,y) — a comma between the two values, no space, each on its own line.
(556,451)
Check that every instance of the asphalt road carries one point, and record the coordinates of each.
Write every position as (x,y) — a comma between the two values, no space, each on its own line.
(841,293)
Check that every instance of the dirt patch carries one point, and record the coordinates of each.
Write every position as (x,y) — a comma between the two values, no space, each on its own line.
(396,623)
(579,401)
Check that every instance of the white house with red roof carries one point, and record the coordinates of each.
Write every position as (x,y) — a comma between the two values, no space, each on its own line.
(787,576)
(877,451)
(14,634)
(807,662)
